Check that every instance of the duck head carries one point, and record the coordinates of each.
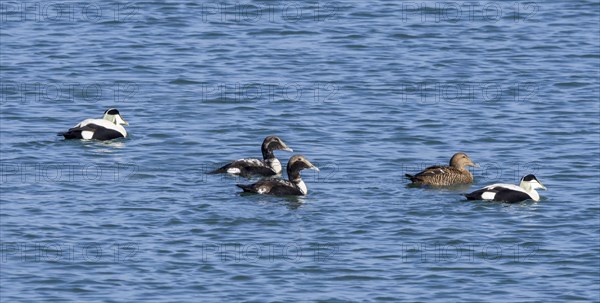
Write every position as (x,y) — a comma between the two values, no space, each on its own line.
(296,164)
(530,182)
(272,143)
(460,160)
(113,115)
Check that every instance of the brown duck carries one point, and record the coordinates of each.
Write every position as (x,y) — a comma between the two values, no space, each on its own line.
(454,174)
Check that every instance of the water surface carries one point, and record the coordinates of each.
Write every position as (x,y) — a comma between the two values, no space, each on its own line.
(368,92)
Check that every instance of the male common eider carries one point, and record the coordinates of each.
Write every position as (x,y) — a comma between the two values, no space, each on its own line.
(107,128)
(269,166)
(454,174)
(509,192)
(279,187)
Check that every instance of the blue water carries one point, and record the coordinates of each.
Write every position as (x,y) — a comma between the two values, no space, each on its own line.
(366,91)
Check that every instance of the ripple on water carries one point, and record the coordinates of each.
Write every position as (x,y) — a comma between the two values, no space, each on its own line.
(343,91)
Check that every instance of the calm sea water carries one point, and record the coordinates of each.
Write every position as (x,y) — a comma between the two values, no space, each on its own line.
(367,91)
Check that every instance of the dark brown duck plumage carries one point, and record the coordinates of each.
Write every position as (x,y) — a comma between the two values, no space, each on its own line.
(454,174)
(279,187)
(269,166)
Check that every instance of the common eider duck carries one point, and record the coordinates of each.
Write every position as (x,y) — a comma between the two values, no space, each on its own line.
(279,187)
(509,193)
(269,166)
(107,128)
(454,174)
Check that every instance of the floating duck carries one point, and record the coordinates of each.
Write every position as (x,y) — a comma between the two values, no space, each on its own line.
(107,128)
(454,174)
(509,192)
(279,187)
(269,166)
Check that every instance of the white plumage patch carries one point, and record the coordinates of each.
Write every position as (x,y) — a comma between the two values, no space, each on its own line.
(86,134)
(488,195)
(233,170)
(507,186)
(261,190)
(302,187)
(276,166)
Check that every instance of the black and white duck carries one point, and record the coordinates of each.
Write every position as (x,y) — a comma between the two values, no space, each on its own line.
(107,128)
(510,193)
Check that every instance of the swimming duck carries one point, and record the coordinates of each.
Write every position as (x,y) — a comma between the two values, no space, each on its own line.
(279,187)
(509,192)
(107,128)
(454,174)
(269,166)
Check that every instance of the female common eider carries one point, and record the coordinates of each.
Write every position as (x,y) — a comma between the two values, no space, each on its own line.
(295,186)
(509,192)
(269,166)
(107,128)
(454,174)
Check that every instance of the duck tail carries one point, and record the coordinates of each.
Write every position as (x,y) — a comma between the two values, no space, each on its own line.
(471,196)
(70,135)
(411,178)
(246,188)
(216,171)
(220,170)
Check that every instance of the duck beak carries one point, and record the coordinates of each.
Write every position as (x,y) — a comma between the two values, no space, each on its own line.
(475,165)
(311,166)
(542,186)
(285,147)
(123,121)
